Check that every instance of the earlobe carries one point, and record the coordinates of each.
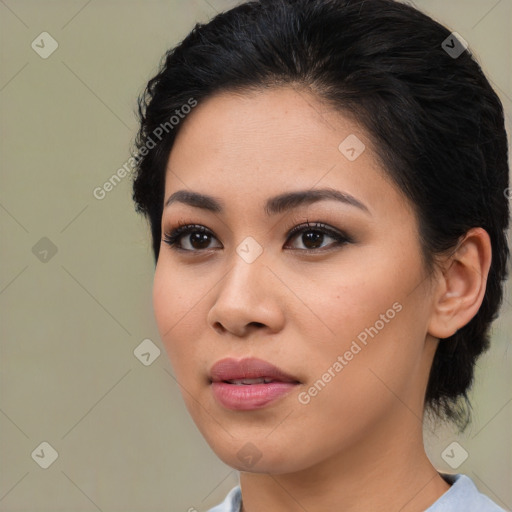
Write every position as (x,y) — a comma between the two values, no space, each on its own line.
(461,285)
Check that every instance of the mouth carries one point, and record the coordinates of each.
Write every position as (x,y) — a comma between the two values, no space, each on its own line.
(248,371)
(249,384)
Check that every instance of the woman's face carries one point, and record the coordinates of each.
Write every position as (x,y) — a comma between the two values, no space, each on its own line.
(343,311)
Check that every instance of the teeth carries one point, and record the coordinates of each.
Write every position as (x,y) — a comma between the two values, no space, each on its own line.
(261,380)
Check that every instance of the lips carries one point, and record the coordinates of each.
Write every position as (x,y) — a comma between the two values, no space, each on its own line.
(248,371)
(248,384)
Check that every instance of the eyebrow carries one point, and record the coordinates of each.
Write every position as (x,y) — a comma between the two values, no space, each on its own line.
(274,205)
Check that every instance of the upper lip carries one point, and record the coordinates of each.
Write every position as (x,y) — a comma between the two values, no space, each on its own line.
(248,368)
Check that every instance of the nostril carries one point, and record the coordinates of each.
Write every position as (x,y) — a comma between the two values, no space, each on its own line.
(219,326)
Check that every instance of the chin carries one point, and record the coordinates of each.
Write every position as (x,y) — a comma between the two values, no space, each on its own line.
(259,455)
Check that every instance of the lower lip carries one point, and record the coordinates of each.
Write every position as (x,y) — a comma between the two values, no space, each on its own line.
(246,397)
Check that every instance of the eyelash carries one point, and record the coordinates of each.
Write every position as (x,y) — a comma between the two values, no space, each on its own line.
(172,237)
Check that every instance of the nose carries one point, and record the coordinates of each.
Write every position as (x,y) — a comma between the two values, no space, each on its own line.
(247,299)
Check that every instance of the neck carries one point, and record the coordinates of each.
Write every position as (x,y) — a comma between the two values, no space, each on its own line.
(389,471)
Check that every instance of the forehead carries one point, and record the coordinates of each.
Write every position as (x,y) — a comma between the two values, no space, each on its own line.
(262,127)
(256,145)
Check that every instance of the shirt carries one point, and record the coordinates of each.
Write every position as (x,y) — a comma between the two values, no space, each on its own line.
(462,496)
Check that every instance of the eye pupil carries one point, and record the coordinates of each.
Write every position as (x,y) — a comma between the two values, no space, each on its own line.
(202,239)
(315,237)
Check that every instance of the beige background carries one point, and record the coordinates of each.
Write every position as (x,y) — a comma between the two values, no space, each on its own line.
(70,324)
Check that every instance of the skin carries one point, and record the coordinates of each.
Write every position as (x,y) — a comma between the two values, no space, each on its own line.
(357,445)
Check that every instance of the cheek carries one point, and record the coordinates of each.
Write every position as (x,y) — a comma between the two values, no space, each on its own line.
(176,310)
(376,326)
(164,299)
(361,301)
(377,367)
(354,384)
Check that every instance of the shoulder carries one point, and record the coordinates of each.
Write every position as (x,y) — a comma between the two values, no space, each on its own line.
(463,496)
(231,502)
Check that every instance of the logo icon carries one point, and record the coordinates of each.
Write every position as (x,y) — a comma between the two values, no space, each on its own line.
(249,455)
(351,147)
(454,455)
(454,45)
(44,250)
(45,455)
(146,352)
(249,249)
(44,45)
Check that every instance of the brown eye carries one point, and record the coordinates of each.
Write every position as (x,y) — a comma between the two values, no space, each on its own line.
(196,238)
(313,235)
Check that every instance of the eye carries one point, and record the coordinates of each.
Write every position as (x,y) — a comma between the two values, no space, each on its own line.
(312,236)
(198,238)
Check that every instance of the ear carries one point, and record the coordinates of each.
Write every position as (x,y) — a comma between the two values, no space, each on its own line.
(461,286)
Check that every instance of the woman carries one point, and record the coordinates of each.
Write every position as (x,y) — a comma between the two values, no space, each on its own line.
(326,186)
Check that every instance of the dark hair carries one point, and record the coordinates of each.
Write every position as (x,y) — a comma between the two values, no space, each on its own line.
(436,124)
